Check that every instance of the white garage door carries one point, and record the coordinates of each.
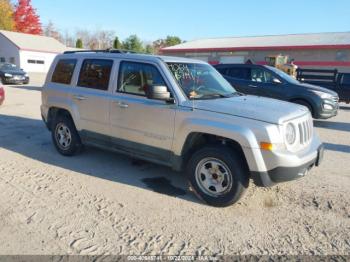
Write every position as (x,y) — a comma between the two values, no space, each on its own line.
(232,60)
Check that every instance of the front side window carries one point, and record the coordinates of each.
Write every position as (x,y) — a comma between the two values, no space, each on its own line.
(200,81)
(261,76)
(95,74)
(135,78)
(64,71)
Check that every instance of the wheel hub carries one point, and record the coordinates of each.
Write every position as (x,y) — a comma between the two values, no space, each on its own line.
(213,177)
(63,136)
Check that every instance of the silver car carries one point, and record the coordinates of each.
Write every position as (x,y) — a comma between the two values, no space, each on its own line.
(180,113)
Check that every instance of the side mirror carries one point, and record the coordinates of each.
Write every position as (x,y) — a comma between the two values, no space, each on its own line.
(276,81)
(158,93)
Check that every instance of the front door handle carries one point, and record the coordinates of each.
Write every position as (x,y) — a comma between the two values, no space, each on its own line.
(253,86)
(80,98)
(121,104)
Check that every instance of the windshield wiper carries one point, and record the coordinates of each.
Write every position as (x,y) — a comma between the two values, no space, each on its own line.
(208,96)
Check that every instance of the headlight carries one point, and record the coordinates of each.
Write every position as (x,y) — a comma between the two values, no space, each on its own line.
(8,75)
(290,134)
(327,107)
(26,75)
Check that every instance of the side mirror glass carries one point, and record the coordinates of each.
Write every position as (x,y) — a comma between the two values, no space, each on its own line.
(158,93)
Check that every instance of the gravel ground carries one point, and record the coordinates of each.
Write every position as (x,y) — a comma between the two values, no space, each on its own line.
(103,203)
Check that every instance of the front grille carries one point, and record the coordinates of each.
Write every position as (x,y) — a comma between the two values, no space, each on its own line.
(335,99)
(305,131)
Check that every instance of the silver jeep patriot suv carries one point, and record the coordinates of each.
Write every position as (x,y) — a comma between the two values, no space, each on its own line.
(180,113)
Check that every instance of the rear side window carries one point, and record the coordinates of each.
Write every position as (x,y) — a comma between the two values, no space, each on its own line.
(346,79)
(64,71)
(221,70)
(239,73)
(95,74)
(135,78)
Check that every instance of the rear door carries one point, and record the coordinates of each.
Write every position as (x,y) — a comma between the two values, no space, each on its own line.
(344,88)
(91,96)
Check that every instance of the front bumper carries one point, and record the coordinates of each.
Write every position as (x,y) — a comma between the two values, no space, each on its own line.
(328,113)
(289,167)
(15,81)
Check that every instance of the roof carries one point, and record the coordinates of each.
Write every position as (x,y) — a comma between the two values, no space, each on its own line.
(269,42)
(134,56)
(35,42)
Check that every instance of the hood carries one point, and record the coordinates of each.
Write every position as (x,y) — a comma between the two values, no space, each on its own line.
(13,71)
(318,88)
(253,107)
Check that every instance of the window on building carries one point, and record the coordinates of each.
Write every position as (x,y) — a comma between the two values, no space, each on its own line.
(64,71)
(39,62)
(2,59)
(135,78)
(12,60)
(95,74)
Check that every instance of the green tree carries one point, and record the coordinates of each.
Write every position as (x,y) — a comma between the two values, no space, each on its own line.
(117,44)
(168,41)
(149,49)
(133,43)
(6,15)
(172,40)
(79,43)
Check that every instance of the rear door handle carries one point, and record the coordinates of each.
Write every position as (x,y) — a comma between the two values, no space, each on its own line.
(254,86)
(80,98)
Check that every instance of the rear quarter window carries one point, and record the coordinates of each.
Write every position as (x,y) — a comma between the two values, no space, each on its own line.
(63,72)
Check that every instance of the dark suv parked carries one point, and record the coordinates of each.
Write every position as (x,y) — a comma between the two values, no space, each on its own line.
(268,81)
(11,74)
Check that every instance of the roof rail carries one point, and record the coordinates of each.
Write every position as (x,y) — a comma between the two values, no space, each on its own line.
(113,51)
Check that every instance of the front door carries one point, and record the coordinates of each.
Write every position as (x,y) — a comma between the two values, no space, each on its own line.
(264,83)
(139,124)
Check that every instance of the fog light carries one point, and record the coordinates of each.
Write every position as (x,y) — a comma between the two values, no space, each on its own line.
(327,107)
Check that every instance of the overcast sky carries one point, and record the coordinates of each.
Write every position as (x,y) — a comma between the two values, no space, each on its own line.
(193,19)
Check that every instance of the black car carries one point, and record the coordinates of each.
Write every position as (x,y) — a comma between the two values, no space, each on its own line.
(11,74)
(268,81)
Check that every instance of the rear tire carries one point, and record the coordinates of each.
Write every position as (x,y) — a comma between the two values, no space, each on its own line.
(217,175)
(65,136)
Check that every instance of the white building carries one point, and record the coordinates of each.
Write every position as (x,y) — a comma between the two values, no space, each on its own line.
(32,53)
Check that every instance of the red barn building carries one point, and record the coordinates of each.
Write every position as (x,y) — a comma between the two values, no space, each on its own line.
(320,51)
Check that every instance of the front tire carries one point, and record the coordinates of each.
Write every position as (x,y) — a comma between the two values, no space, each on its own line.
(217,175)
(65,136)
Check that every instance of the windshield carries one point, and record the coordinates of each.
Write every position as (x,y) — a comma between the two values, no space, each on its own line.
(8,66)
(201,81)
(283,75)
